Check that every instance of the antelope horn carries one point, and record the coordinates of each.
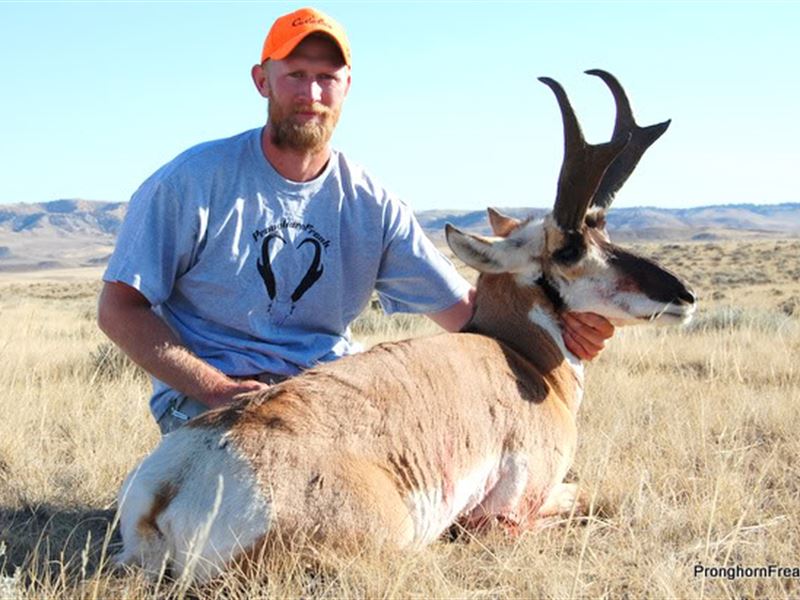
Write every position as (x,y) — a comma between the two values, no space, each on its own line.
(583,166)
(624,127)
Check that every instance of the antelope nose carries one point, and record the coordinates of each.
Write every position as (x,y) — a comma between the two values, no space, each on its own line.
(686,296)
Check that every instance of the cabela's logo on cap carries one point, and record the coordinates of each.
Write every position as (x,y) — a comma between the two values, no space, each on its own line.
(300,21)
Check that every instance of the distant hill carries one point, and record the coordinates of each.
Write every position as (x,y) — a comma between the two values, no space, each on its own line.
(57,234)
(63,216)
(71,232)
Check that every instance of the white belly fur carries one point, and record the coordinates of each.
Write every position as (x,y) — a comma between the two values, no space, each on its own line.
(493,488)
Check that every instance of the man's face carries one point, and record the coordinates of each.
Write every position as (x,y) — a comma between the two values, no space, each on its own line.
(306,91)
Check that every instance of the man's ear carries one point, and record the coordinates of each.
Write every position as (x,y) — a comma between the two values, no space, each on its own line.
(260,79)
(349,80)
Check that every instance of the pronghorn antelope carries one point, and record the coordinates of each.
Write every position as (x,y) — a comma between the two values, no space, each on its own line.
(394,445)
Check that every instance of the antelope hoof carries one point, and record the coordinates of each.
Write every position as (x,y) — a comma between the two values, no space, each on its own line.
(565,500)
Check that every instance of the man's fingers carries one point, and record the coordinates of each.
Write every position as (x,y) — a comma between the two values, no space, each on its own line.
(247,387)
(582,340)
(575,346)
(589,325)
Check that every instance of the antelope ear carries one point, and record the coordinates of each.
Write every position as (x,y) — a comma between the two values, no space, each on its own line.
(501,224)
(487,255)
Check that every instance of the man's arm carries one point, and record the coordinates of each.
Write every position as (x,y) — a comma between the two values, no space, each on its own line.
(125,316)
(454,318)
(585,334)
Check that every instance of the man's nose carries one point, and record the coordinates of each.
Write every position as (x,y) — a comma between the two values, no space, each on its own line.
(312,91)
(316,91)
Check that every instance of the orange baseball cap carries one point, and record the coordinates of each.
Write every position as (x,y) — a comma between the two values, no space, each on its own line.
(289,30)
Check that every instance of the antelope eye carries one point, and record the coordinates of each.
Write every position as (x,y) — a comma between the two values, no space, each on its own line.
(571,253)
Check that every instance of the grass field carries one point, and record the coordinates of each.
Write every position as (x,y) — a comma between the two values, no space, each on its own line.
(687,446)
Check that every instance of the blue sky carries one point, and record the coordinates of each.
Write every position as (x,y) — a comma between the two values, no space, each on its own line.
(445,108)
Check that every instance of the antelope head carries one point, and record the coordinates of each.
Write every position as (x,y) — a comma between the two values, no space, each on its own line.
(568,253)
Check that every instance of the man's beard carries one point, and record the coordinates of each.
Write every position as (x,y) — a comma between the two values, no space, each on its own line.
(309,136)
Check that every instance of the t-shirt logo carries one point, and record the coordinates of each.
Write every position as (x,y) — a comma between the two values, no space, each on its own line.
(283,297)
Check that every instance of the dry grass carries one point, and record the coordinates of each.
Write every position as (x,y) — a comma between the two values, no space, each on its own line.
(687,446)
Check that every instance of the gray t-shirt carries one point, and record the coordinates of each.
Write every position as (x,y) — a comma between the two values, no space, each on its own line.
(256,273)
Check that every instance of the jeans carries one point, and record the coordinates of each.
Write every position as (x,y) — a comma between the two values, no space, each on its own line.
(179,412)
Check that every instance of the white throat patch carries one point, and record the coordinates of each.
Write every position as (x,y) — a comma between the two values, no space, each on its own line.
(548,322)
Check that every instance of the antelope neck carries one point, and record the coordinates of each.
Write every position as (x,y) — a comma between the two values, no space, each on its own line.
(515,328)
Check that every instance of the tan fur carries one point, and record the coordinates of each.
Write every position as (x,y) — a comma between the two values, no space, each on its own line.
(502,312)
(341,447)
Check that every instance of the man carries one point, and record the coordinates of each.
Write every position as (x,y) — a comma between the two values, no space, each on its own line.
(243,261)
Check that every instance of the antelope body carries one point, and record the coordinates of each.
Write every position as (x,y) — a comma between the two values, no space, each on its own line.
(394,445)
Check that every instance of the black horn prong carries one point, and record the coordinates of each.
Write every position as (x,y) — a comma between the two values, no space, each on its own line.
(583,166)
(572,128)
(624,111)
(641,138)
